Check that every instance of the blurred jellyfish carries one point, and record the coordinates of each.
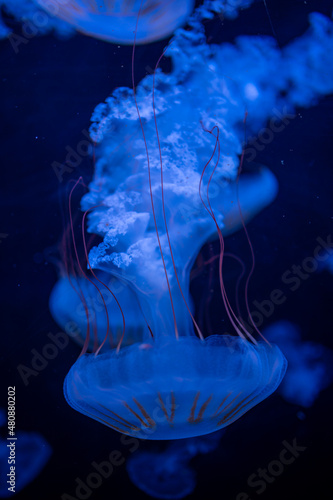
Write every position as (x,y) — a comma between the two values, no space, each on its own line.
(161,475)
(112,20)
(35,21)
(31,454)
(168,474)
(310,365)
(115,21)
(158,198)
(77,306)
(327,264)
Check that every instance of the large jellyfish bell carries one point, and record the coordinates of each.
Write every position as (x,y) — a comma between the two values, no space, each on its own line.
(115,20)
(174,388)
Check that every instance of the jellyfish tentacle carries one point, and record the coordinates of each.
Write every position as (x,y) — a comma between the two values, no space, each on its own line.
(232,316)
(150,181)
(105,285)
(247,234)
(163,203)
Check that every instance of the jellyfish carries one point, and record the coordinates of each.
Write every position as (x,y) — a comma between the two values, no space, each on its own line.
(327,265)
(167,474)
(174,388)
(168,175)
(35,20)
(27,454)
(76,305)
(310,364)
(113,21)
(161,475)
(31,453)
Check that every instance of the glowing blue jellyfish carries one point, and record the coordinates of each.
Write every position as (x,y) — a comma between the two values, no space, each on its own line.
(161,475)
(35,20)
(157,199)
(115,21)
(31,454)
(112,20)
(327,265)
(310,365)
(77,306)
(174,388)
(167,474)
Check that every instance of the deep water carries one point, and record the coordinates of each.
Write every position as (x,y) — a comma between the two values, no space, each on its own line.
(48,92)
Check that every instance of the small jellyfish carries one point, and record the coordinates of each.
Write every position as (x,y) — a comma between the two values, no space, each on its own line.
(168,474)
(161,475)
(119,20)
(326,263)
(77,306)
(31,454)
(310,365)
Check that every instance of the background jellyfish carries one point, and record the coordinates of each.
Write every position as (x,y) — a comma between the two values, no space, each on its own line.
(116,21)
(35,20)
(310,365)
(32,453)
(162,475)
(167,474)
(87,310)
(328,265)
(112,21)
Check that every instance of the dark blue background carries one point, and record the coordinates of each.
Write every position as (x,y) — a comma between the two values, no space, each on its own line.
(48,92)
